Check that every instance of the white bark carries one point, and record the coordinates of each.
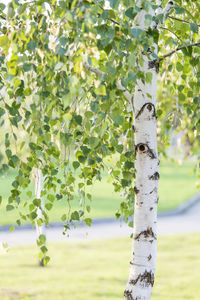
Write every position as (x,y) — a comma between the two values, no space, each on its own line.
(39,179)
(142,269)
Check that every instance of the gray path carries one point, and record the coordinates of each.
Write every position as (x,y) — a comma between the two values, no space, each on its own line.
(187,222)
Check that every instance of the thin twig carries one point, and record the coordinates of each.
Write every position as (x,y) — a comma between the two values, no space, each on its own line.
(165,28)
(110,19)
(181,20)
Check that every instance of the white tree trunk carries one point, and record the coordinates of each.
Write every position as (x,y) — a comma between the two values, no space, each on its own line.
(40,229)
(142,269)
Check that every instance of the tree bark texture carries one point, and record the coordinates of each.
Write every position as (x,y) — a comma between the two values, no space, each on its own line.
(143,263)
(38,188)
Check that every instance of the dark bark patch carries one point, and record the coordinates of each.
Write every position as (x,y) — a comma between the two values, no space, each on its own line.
(146,279)
(136,190)
(146,234)
(154,64)
(149,257)
(150,106)
(144,148)
(155,176)
(151,208)
(128,295)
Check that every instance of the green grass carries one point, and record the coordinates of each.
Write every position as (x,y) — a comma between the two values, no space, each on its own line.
(177,184)
(99,271)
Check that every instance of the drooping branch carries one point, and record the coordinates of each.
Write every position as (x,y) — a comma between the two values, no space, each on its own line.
(178,49)
(165,28)
(181,20)
(120,87)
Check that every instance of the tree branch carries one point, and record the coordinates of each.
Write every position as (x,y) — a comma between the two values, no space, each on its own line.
(165,28)
(110,19)
(181,20)
(120,87)
(175,50)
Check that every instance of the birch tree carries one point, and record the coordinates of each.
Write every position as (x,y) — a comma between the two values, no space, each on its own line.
(95,66)
(39,223)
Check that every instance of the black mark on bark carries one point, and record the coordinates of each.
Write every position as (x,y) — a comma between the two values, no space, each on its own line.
(136,190)
(150,106)
(149,257)
(128,295)
(155,176)
(144,148)
(147,278)
(146,234)
(154,64)
(151,208)
(154,190)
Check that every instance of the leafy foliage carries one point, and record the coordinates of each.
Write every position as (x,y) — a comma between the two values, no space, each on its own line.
(60,117)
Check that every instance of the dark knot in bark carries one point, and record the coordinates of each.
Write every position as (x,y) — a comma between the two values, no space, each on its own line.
(136,190)
(144,148)
(150,107)
(154,64)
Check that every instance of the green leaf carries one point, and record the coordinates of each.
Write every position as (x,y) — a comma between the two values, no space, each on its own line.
(48,206)
(31,46)
(8,153)
(46,260)
(42,238)
(101,90)
(75,216)
(179,10)
(2,112)
(76,164)
(88,221)
(114,3)
(33,215)
(9,207)
(88,208)
(179,67)
(78,119)
(194,27)
(12,228)
(119,120)
(130,13)
(2,6)
(94,142)
(136,32)
(64,217)
(44,249)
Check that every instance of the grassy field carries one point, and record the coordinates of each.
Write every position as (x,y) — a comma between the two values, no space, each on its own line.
(99,271)
(177,184)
